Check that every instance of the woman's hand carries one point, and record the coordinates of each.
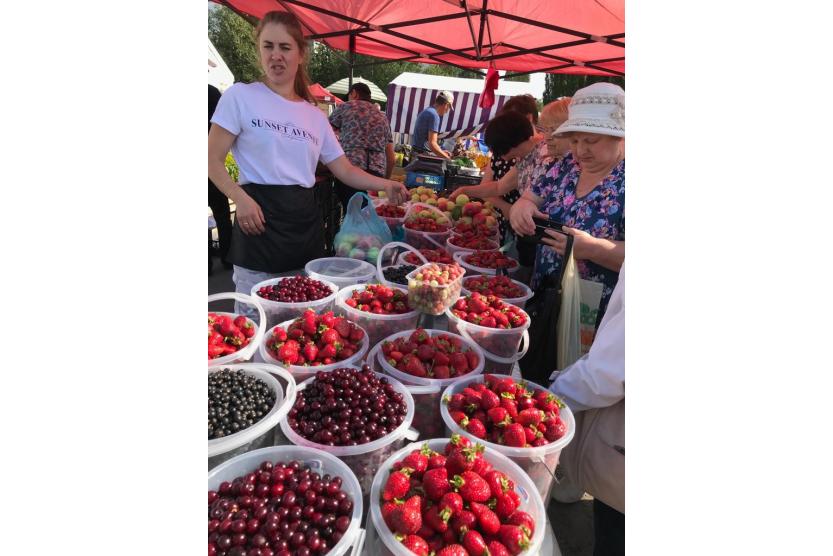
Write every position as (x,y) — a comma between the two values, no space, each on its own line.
(520,217)
(583,243)
(249,215)
(396,192)
(462,190)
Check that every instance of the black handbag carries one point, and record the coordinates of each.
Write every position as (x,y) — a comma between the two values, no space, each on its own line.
(543,309)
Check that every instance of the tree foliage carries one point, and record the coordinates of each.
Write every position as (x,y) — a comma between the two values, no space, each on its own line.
(561,85)
(234,39)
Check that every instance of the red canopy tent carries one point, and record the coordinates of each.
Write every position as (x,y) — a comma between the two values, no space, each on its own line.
(521,36)
(322,94)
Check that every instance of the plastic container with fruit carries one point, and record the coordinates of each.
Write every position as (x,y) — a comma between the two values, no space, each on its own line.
(303,372)
(393,215)
(377,326)
(425,390)
(390,264)
(501,342)
(261,433)
(279,311)
(434,287)
(512,266)
(455,244)
(530,501)
(430,255)
(244,347)
(341,271)
(511,291)
(538,462)
(320,462)
(363,459)
(426,227)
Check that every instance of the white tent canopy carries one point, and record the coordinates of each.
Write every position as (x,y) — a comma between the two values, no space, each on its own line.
(218,73)
(341,87)
(464,85)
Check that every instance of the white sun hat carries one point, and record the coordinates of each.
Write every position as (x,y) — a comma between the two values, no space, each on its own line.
(598,108)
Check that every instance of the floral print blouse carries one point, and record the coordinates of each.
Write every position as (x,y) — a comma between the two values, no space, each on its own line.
(601,213)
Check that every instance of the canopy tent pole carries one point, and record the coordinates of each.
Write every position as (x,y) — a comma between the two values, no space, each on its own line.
(352,59)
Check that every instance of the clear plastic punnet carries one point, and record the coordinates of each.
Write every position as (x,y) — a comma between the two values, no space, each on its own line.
(341,271)
(430,297)
(363,459)
(376,326)
(279,311)
(321,462)
(531,501)
(499,342)
(538,463)
(260,326)
(460,257)
(261,433)
(516,301)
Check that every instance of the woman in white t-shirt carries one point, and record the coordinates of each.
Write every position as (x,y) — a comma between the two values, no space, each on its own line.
(277,136)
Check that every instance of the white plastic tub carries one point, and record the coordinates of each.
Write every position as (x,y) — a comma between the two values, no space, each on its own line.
(321,462)
(303,372)
(261,433)
(516,301)
(278,311)
(471,269)
(500,342)
(376,326)
(538,463)
(341,271)
(363,459)
(531,501)
(260,326)
(453,249)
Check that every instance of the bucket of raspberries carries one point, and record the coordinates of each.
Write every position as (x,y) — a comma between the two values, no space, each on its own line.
(341,271)
(356,415)
(427,361)
(286,298)
(283,500)
(426,227)
(522,420)
(451,497)
(503,287)
(496,326)
(380,310)
(486,262)
(390,270)
(246,421)
(434,287)
(234,337)
(467,245)
(314,342)
(393,215)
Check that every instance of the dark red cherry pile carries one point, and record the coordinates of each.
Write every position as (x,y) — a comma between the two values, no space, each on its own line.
(297,289)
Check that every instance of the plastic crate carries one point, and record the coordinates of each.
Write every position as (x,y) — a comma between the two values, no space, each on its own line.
(416,179)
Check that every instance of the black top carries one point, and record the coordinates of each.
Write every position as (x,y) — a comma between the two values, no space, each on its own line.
(213,98)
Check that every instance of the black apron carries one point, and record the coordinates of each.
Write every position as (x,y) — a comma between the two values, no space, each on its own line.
(294,230)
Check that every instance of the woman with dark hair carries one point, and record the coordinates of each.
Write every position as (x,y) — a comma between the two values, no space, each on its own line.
(278,136)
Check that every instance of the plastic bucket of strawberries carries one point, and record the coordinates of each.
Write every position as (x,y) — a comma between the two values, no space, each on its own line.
(234,337)
(427,489)
(314,342)
(378,309)
(288,297)
(522,420)
(496,326)
(486,262)
(393,215)
(509,290)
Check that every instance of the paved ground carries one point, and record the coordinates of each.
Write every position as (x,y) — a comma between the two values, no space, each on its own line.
(572,523)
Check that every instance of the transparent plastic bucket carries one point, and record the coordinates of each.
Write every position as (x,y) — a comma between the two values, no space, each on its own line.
(261,433)
(505,365)
(500,342)
(278,311)
(303,372)
(363,459)
(538,463)
(393,223)
(425,240)
(432,300)
(427,392)
(403,258)
(531,501)
(516,301)
(471,269)
(341,271)
(376,326)
(260,326)
(321,462)
(453,249)
(494,236)
(382,264)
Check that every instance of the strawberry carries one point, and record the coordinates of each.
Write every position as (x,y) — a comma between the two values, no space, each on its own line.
(441,371)
(472,487)
(308,324)
(310,351)
(481,466)
(441,358)
(489,399)
(449,537)
(513,538)
(453,550)
(406,517)
(459,417)
(279,334)
(509,405)
(451,504)
(476,428)
(414,366)
(474,543)
(328,351)
(435,543)
(288,354)
(499,482)
(496,548)
(473,397)
(459,363)
(514,436)
(331,336)
(524,521)
(486,518)
(419,336)
(398,484)
(436,461)
(506,503)
(464,521)
(531,434)
(434,520)
(555,429)
(435,483)
(328,319)
(530,417)
(215,351)
(416,544)
(498,416)
(462,459)
(456,401)
(342,326)
(356,335)
(418,460)
(425,352)
(387,512)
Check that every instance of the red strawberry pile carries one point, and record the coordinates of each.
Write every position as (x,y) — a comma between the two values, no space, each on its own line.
(441,356)
(482,230)
(489,311)
(315,340)
(505,412)
(228,335)
(390,211)
(431,255)
(473,242)
(498,286)
(379,300)
(490,259)
(425,224)
(454,504)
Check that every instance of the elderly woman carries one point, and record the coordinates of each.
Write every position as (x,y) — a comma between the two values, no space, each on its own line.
(585,191)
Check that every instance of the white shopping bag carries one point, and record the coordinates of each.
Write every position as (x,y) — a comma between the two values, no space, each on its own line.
(568,335)
(590,298)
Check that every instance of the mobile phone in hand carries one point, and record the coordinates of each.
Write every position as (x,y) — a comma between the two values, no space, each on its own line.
(542,224)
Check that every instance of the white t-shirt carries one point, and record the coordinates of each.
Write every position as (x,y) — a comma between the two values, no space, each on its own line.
(279,142)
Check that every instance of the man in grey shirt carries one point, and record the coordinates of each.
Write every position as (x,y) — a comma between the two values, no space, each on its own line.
(427,125)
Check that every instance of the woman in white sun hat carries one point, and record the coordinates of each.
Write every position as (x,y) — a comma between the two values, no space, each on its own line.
(585,191)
